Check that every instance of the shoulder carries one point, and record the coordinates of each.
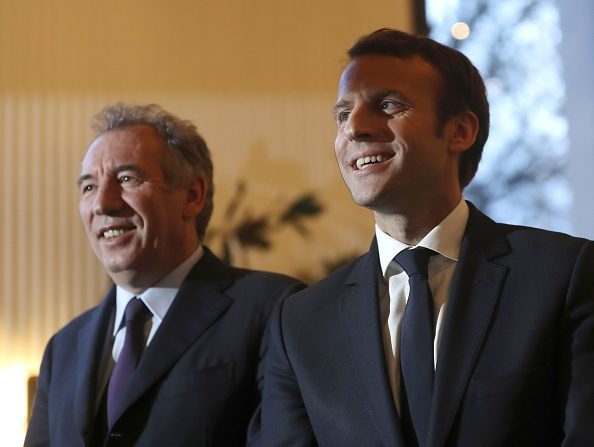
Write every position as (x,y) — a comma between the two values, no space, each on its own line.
(240,280)
(555,256)
(93,319)
(526,248)
(539,244)
(262,278)
(62,345)
(262,289)
(523,234)
(74,326)
(482,228)
(326,292)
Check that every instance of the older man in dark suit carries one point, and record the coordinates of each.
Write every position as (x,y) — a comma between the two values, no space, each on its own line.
(453,330)
(173,355)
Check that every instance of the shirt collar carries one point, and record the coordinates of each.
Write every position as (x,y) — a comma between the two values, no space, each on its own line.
(445,238)
(159,297)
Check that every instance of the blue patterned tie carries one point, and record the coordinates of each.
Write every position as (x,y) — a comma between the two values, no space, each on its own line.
(416,346)
(136,314)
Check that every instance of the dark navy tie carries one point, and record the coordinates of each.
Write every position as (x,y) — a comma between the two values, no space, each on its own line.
(416,346)
(136,314)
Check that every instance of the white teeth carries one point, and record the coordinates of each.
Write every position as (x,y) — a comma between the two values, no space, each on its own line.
(113,233)
(363,161)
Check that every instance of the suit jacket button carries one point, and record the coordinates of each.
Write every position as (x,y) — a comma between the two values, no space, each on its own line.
(116,434)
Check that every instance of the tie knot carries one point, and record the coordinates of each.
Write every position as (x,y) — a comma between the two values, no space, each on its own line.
(136,310)
(415,261)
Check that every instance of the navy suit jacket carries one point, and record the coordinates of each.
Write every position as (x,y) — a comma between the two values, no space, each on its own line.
(197,383)
(515,365)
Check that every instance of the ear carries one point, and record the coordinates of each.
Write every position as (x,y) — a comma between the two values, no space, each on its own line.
(464,129)
(195,197)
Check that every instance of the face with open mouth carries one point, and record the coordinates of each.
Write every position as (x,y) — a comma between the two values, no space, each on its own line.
(389,147)
(138,225)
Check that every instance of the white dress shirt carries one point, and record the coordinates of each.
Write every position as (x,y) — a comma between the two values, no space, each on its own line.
(445,239)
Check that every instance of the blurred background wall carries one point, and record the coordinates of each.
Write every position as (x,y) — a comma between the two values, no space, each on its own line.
(258,78)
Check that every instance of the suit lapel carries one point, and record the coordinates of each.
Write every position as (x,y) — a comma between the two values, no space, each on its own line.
(198,304)
(361,320)
(90,354)
(476,288)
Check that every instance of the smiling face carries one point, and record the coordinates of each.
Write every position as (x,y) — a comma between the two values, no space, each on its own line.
(139,226)
(391,151)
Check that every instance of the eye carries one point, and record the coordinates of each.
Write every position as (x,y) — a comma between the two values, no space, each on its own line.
(392,107)
(342,116)
(86,188)
(128,180)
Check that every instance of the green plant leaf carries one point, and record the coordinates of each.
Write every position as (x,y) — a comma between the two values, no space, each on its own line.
(254,232)
(304,206)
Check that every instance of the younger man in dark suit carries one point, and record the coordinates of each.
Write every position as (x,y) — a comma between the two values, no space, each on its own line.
(173,355)
(453,330)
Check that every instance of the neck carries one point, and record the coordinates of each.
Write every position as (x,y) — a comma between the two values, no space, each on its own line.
(139,279)
(409,228)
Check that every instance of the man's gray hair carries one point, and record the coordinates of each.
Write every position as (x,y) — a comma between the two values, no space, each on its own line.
(189,155)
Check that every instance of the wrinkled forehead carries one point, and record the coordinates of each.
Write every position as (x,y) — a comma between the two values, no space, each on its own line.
(135,145)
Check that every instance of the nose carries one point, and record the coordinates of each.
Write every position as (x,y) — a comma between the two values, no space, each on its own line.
(362,124)
(108,199)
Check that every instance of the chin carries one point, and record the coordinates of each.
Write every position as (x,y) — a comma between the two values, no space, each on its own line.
(116,266)
(364,200)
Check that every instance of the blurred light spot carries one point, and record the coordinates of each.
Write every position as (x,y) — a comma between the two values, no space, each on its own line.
(13,405)
(494,85)
(460,30)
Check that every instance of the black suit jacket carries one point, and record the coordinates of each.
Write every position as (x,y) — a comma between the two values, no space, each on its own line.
(515,365)
(198,382)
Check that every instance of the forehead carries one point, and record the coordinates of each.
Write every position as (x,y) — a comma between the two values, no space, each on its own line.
(140,145)
(367,74)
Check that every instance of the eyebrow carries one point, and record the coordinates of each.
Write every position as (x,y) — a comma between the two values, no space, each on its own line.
(122,168)
(339,105)
(82,179)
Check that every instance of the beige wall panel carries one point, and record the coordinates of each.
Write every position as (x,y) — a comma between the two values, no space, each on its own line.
(257,77)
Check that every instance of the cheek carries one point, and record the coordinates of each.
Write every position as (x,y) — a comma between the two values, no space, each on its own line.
(143,205)
(340,146)
(84,212)
(152,214)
